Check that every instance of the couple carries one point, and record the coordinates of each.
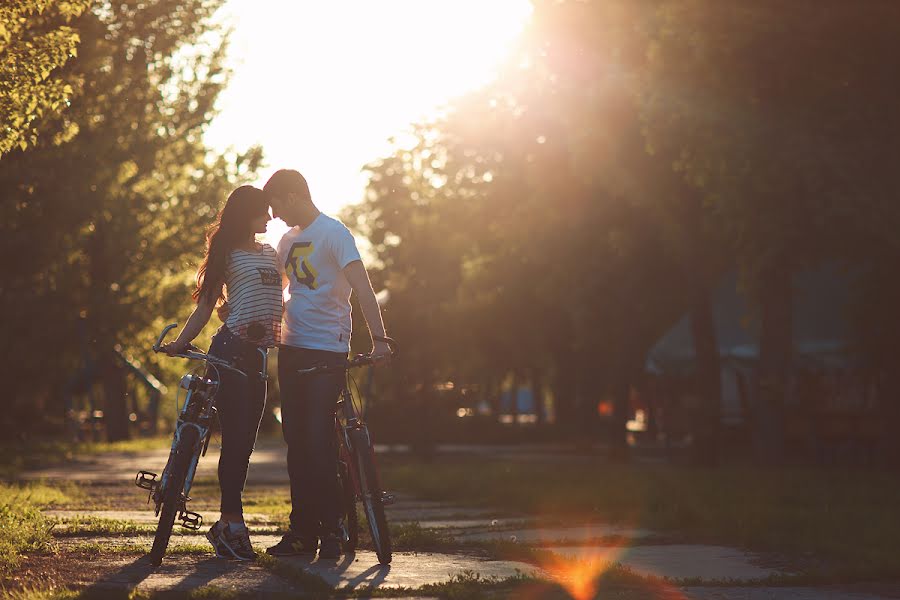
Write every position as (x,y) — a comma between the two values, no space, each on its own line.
(319,262)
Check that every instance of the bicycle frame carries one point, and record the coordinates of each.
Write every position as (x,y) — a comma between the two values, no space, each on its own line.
(342,431)
(356,455)
(206,389)
(196,413)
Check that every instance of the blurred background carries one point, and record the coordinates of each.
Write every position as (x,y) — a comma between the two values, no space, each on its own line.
(665,227)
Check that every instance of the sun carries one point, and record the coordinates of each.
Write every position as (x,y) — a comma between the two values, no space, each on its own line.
(323,85)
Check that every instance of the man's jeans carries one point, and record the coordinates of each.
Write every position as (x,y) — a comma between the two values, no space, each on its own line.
(308,405)
(240,402)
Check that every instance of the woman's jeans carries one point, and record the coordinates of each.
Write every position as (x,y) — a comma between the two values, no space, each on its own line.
(308,405)
(240,402)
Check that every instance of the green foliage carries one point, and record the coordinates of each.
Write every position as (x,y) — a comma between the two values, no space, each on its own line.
(35,41)
(782,117)
(528,231)
(556,223)
(108,227)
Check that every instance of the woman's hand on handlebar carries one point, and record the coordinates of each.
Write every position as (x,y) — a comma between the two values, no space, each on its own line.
(176,347)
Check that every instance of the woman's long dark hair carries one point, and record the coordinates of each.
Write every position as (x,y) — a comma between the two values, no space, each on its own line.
(231,229)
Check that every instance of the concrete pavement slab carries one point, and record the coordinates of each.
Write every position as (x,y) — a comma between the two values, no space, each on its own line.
(407,569)
(678,561)
(546,535)
(776,593)
(443,513)
(186,573)
(351,571)
(486,523)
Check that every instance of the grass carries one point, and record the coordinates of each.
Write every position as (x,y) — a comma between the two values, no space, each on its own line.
(202,593)
(823,518)
(839,526)
(410,536)
(470,585)
(16,457)
(96,549)
(81,525)
(315,585)
(22,526)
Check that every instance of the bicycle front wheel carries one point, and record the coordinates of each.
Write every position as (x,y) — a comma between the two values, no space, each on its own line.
(370,492)
(172,500)
(348,507)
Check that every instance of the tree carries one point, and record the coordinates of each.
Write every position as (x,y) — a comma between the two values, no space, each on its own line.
(536,191)
(107,226)
(782,117)
(35,42)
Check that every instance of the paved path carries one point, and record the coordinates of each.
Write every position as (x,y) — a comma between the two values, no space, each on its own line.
(568,551)
(354,571)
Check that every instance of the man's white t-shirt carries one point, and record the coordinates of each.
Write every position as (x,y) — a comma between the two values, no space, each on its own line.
(317,315)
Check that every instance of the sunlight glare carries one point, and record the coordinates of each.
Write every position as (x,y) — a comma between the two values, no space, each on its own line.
(323,85)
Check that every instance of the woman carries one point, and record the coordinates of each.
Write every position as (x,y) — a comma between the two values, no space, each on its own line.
(244,272)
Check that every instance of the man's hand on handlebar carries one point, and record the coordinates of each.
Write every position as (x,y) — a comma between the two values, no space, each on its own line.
(381,353)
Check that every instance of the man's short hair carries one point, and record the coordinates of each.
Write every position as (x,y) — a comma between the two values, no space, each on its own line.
(287,181)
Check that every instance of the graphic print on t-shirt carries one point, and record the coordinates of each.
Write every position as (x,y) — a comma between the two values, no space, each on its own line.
(269,276)
(299,267)
(253,291)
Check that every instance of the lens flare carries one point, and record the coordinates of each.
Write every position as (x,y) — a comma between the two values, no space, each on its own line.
(579,576)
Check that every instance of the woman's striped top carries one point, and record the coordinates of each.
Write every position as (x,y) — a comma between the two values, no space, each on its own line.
(253,292)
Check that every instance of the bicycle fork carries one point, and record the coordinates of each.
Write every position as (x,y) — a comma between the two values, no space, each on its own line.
(157,486)
(386,498)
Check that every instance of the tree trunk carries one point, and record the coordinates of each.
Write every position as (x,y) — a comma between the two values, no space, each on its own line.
(514,396)
(115,402)
(775,355)
(495,389)
(537,392)
(618,440)
(708,381)
(564,390)
(103,338)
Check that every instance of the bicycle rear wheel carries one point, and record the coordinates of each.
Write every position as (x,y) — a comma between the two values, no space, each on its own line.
(348,507)
(172,502)
(370,492)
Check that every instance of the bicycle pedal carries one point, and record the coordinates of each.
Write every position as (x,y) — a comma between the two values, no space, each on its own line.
(190,520)
(146,480)
(387,499)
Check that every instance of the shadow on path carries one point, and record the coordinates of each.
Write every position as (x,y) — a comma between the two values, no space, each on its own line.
(378,574)
(342,573)
(177,573)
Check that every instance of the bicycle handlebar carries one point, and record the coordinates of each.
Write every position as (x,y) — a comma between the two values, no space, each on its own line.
(214,360)
(359,360)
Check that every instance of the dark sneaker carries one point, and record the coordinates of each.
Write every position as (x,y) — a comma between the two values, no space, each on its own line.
(237,540)
(212,535)
(293,545)
(331,547)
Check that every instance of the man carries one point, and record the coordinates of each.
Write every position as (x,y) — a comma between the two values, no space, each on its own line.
(320,265)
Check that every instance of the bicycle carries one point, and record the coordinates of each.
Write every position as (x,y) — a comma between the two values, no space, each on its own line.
(357,474)
(190,441)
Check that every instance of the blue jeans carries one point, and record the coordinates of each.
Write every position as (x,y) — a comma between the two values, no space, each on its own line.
(308,406)
(240,403)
